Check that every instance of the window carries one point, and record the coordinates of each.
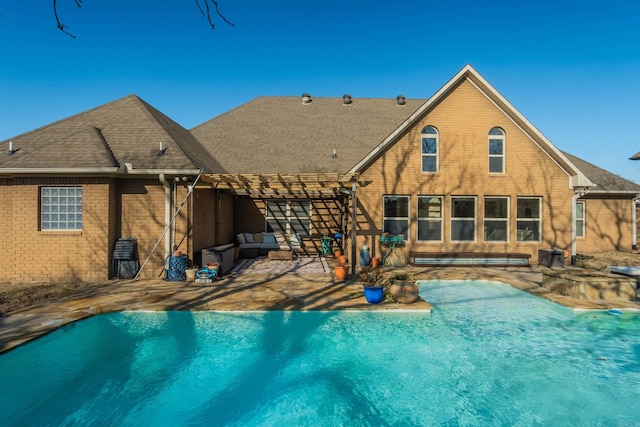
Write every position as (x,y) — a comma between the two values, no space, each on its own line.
(61,208)
(429,149)
(580,219)
(496,150)
(396,215)
(430,218)
(463,219)
(496,219)
(289,217)
(528,221)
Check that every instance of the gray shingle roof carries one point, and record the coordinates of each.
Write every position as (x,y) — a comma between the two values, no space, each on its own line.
(604,180)
(124,131)
(635,156)
(283,135)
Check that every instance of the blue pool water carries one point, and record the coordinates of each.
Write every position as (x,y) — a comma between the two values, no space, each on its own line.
(487,355)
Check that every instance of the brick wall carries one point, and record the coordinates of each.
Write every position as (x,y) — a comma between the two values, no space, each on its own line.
(463,120)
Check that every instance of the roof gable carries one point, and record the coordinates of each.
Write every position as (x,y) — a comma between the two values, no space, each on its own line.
(127,130)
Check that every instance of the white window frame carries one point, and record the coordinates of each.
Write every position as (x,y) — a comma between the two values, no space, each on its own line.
(522,235)
(504,220)
(386,218)
(431,219)
(435,135)
(500,137)
(455,219)
(61,208)
(288,215)
(581,220)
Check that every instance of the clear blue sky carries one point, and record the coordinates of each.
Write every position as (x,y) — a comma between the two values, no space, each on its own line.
(571,67)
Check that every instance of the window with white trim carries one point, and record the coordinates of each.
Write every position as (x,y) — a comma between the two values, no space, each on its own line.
(496,219)
(430,218)
(580,206)
(463,219)
(429,138)
(496,150)
(528,219)
(289,217)
(61,208)
(396,215)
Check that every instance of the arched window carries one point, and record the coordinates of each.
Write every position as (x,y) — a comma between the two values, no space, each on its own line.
(429,149)
(496,150)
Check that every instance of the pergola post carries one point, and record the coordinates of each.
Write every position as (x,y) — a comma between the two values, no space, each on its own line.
(354,222)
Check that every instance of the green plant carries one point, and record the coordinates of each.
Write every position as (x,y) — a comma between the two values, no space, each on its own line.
(373,277)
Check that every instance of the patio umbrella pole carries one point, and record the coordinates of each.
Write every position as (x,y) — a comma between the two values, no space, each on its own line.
(168,227)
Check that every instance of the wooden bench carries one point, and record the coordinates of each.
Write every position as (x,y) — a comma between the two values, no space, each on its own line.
(497,259)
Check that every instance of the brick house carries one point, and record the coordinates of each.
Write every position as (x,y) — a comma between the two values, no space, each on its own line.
(462,172)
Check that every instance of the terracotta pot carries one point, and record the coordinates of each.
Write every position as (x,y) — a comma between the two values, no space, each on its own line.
(342,260)
(375,262)
(177,253)
(404,292)
(342,272)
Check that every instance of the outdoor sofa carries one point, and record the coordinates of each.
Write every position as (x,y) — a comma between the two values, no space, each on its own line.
(253,245)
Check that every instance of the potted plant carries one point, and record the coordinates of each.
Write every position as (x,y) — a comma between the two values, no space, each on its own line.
(403,288)
(190,273)
(374,282)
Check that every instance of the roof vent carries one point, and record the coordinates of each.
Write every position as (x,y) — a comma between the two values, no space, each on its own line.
(11,150)
(334,155)
(306,98)
(346,99)
(400,99)
(162,150)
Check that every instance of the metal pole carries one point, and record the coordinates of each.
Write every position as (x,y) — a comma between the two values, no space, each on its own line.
(168,227)
(354,223)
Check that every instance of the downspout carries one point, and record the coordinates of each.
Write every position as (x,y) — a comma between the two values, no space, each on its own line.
(579,193)
(354,223)
(634,224)
(167,217)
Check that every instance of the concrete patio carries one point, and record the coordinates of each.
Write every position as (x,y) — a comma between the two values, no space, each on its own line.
(255,292)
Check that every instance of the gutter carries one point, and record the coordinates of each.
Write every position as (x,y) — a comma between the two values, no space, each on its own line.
(634,224)
(126,169)
(167,217)
(579,193)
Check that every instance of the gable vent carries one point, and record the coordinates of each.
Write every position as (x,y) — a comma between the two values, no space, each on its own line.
(346,99)
(306,98)
(400,100)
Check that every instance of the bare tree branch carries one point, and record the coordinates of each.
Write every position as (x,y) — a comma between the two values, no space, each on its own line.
(60,25)
(206,13)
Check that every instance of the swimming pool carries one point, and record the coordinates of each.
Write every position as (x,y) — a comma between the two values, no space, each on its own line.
(487,355)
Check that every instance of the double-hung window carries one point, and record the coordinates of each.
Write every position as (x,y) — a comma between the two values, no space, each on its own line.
(289,217)
(429,139)
(61,208)
(496,219)
(496,150)
(396,215)
(430,218)
(463,219)
(528,219)
(580,219)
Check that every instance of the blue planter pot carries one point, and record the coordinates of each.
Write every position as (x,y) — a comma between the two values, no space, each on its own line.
(373,295)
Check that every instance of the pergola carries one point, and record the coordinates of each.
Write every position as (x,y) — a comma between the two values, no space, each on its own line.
(301,185)
(275,185)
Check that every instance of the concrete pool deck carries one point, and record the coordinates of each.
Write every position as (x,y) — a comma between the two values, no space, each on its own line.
(256,292)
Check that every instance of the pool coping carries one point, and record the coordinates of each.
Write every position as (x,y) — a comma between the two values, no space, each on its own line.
(258,292)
